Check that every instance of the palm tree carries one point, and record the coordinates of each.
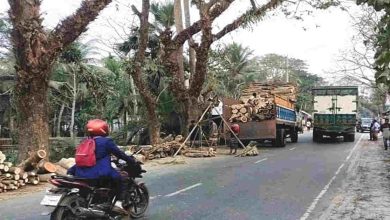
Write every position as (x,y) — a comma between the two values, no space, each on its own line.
(235,69)
(163,15)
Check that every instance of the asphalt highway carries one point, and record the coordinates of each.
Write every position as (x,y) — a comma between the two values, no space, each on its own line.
(295,182)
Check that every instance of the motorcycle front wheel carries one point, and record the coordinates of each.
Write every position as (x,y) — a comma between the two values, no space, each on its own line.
(138,202)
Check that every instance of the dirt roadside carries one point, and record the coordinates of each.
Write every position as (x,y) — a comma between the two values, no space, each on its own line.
(365,193)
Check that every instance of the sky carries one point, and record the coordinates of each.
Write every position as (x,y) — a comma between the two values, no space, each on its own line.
(318,39)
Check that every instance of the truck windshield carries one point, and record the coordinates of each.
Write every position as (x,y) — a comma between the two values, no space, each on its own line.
(366,121)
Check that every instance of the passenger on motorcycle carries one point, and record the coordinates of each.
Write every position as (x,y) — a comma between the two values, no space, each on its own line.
(104,148)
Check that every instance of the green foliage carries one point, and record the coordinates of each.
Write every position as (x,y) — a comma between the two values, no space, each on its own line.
(163,14)
(232,67)
(377,4)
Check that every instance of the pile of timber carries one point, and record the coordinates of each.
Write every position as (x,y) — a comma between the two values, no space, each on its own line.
(263,107)
(199,152)
(168,148)
(249,150)
(33,170)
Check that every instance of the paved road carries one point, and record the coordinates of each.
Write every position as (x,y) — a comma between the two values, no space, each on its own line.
(295,182)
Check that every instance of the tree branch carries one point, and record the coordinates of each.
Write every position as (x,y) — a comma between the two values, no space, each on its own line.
(69,29)
(257,12)
(216,11)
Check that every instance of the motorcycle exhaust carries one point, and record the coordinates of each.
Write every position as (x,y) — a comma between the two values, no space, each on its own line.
(84,212)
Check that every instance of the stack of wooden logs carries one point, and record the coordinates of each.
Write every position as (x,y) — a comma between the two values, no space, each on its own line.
(249,150)
(168,148)
(33,170)
(263,106)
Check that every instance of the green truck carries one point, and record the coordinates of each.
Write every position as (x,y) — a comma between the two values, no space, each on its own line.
(335,109)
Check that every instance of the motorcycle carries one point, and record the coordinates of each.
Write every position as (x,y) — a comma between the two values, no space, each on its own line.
(79,198)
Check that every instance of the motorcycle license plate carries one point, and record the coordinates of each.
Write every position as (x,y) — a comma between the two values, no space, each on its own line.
(51,200)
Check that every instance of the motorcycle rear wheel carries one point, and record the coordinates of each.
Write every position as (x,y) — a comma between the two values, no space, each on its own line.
(63,212)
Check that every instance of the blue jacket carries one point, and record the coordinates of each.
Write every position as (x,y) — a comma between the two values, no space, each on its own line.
(104,148)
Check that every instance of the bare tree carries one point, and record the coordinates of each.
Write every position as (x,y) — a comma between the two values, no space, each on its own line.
(356,65)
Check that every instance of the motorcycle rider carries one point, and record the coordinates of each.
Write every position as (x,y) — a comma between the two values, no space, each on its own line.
(104,148)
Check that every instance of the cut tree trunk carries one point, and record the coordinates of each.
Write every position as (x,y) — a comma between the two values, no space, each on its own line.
(46,167)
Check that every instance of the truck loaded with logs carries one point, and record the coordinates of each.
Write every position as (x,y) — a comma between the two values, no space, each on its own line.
(264,112)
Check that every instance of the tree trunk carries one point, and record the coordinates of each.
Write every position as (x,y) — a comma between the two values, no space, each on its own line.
(60,120)
(136,73)
(71,129)
(179,28)
(153,123)
(187,18)
(33,121)
(135,100)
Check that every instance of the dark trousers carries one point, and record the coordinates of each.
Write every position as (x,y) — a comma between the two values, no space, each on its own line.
(386,143)
(233,145)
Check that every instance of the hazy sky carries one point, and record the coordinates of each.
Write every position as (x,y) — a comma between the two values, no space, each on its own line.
(317,40)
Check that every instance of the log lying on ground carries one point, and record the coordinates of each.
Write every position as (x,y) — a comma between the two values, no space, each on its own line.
(66,162)
(15,177)
(33,160)
(44,166)
(199,153)
(34,180)
(2,157)
(249,150)
(60,170)
(15,170)
(45,177)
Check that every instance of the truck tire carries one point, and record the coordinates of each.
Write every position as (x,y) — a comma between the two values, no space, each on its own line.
(280,140)
(294,136)
(317,136)
(349,138)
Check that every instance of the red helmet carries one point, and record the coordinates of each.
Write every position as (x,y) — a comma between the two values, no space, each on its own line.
(235,128)
(97,127)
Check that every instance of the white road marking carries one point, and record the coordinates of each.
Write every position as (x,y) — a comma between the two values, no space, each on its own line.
(261,160)
(325,189)
(154,197)
(292,148)
(183,190)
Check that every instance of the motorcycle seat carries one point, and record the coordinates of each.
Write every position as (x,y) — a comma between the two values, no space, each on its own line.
(70,178)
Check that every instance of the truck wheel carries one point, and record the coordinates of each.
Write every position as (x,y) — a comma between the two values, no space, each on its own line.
(349,138)
(280,140)
(317,136)
(294,136)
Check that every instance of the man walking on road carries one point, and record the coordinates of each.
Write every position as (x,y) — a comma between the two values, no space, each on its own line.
(375,130)
(386,133)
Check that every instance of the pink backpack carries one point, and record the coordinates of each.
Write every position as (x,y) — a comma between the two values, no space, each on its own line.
(85,153)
